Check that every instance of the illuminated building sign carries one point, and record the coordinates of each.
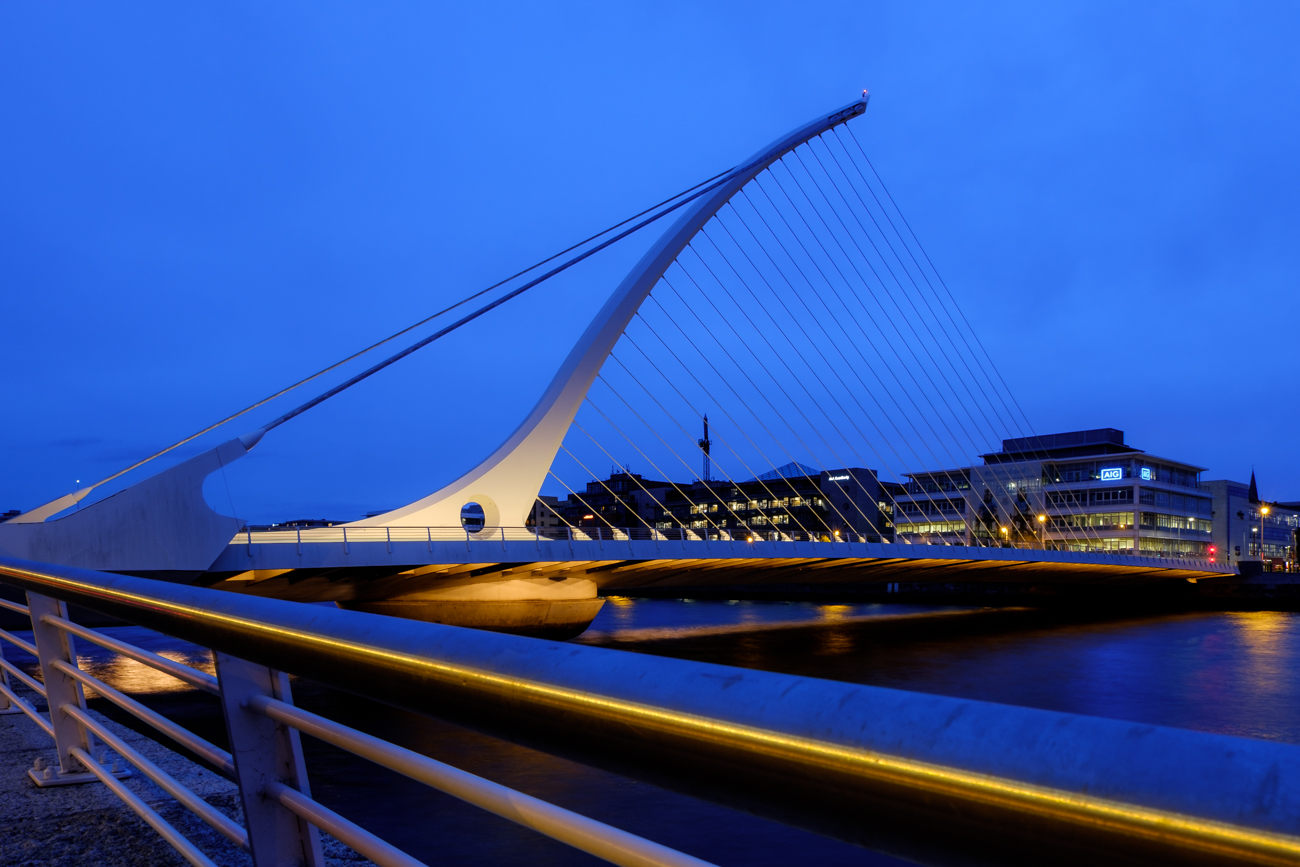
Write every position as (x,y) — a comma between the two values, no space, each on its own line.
(1112,474)
(840,478)
(1147,474)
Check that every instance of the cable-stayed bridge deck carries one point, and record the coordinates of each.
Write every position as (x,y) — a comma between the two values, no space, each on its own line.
(345,563)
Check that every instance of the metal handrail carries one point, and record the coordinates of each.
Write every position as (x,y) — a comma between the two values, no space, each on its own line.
(586,834)
(1078,778)
(227,827)
(209,752)
(578,831)
(174,838)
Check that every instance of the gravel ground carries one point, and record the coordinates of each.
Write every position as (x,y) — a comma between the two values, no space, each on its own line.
(86,824)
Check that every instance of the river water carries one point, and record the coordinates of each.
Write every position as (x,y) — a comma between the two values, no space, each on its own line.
(1231,673)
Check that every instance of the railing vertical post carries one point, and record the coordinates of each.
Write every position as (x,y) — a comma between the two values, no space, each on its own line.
(5,705)
(298,536)
(388,539)
(428,535)
(265,752)
(346,550)
(54,644)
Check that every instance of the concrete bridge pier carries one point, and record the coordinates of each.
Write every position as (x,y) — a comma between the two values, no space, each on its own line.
(526,602)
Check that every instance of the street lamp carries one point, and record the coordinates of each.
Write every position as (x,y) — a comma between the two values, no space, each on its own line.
(1042,530)
(1263,510)
(1003,530)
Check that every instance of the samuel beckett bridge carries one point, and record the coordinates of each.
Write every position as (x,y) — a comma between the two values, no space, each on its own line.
(789,301)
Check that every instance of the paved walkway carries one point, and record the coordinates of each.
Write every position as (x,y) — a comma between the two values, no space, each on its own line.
(74,826)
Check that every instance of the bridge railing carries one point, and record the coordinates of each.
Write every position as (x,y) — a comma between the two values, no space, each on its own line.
(282,820)
(348,534)
(829,754)
(345,535)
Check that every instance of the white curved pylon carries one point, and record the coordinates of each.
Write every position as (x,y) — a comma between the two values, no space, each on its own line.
(507,482)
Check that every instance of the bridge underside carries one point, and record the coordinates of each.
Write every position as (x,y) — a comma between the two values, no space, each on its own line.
(515,590)
(351,583)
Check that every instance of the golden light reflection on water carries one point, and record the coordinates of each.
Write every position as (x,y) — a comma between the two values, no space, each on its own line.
(135,678)
(1267,665)
(834,613)
(623,609)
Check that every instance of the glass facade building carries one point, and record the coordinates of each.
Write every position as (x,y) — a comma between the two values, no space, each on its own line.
(1078,491)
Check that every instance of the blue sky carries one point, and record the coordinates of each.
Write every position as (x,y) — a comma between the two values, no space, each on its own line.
(202,204)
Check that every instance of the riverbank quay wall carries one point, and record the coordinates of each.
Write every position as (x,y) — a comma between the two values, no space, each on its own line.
(859,760)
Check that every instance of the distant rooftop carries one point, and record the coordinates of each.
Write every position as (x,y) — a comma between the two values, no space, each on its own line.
(1070,444)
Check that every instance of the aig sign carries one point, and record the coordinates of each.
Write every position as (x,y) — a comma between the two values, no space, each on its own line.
(1112,474)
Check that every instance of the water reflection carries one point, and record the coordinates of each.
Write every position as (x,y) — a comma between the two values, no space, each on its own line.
(1230,673)
(127,675)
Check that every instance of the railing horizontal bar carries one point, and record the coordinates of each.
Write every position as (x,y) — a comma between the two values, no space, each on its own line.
(35,715)
(26,646)
(223,824)
(200,679)
(200,747)
(174,838)
(27,680)
(375,848)
(15,607)
(597,838)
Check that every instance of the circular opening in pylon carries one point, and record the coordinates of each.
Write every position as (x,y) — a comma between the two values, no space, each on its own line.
(472,517)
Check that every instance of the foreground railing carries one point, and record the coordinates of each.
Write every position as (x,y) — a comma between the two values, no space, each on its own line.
(263,725)
(808,749)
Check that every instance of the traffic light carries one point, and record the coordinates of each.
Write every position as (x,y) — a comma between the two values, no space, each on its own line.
(1212,553)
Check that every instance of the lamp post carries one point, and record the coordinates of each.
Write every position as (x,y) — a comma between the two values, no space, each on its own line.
(1042,531)
(1003,531)
(1263,510)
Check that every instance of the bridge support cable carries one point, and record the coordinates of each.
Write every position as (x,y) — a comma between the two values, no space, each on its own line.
(763,334)
(816,346)
(686,497)
(968,430)
(695,412)
(894,385)
(924,364)
(984,400)
(658,503)
(986,364)
(629,508)
(1011,410)
(1007,396)
(900,341)
(978,401)
(563,520)
(729,383)
(594,512)
(822,287)
(723,440)
(762,392)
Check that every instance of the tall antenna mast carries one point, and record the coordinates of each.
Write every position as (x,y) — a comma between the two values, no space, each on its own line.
(704,447)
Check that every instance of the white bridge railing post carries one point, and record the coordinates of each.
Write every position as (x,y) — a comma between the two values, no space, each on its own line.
(6,706)
(266,752)
(52,645)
